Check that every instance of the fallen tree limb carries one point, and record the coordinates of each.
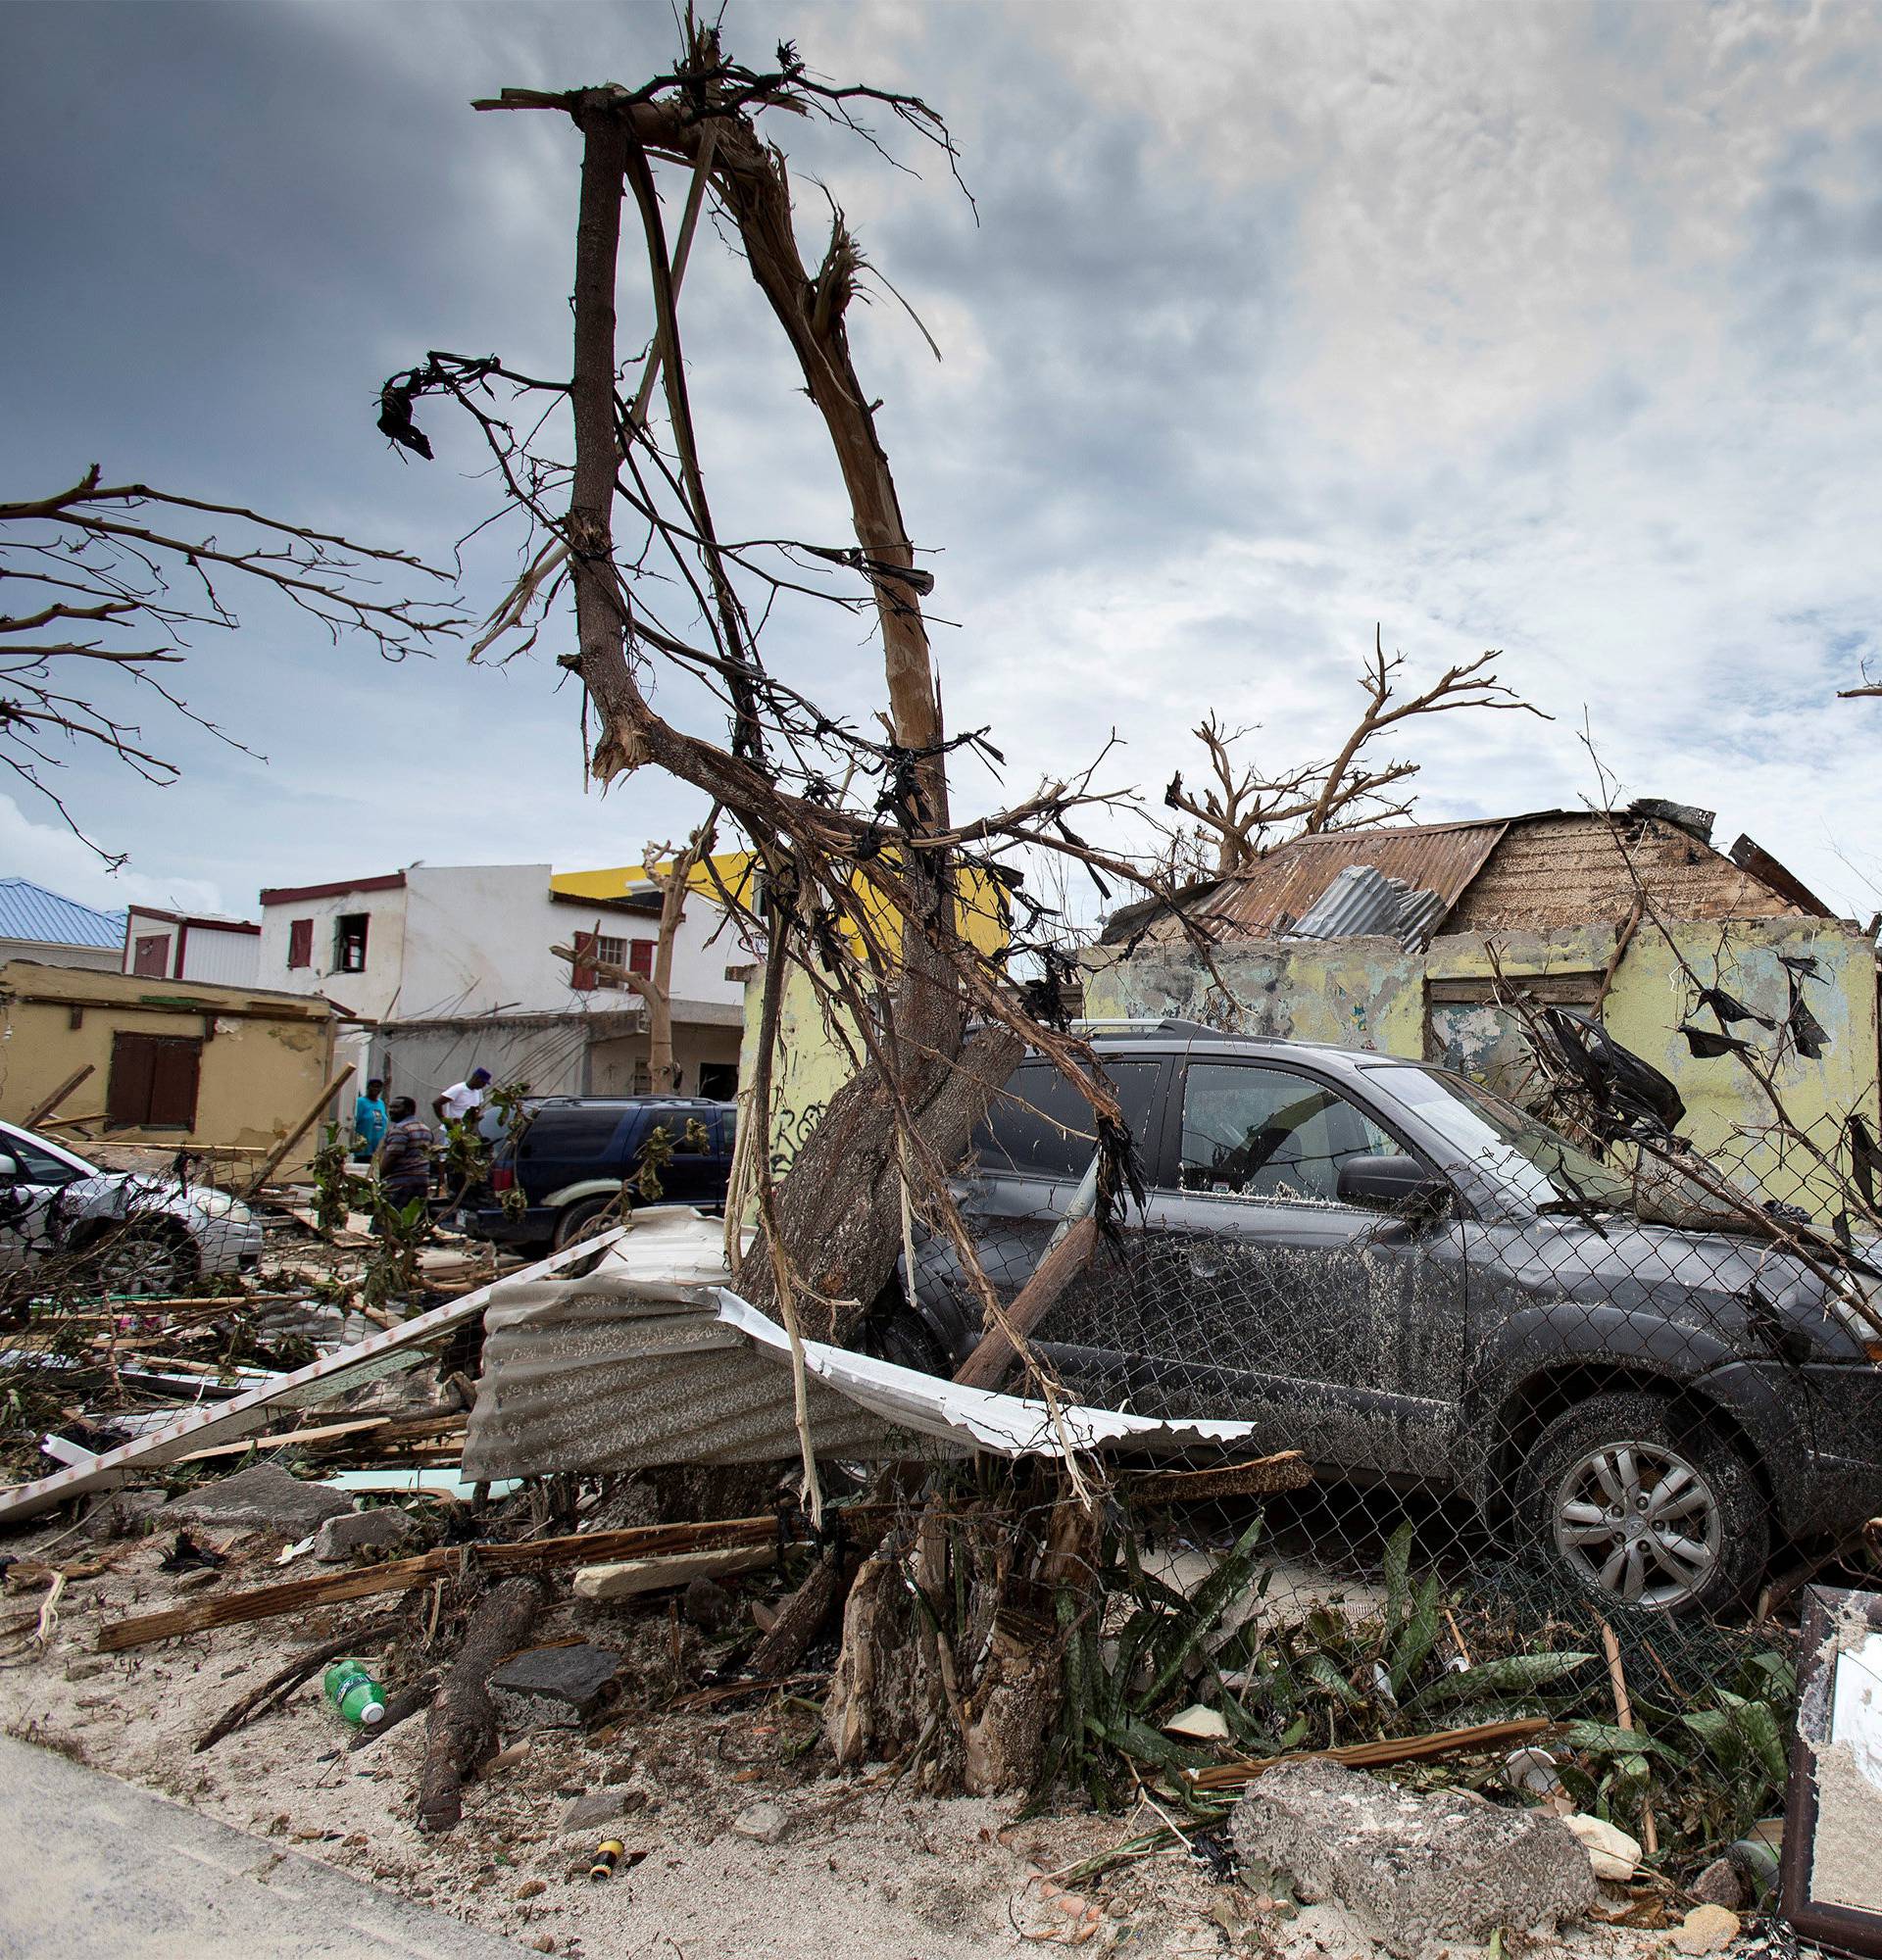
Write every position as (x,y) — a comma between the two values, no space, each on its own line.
(461,1732)
(285,1678)
(1065,1260)
(1262,1477)
(403,1575)
(1375,1755)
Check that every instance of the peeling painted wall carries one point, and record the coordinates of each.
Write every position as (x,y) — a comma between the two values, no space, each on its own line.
(258,1074)
(1369,994)
(1357,993)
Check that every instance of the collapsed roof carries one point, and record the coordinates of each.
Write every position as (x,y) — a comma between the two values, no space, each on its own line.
(1547,870)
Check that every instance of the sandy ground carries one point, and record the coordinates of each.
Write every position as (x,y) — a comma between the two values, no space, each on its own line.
(870,1868)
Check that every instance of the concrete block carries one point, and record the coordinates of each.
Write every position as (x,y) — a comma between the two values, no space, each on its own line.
(265,1497)
(1415,1870)
(553,1687)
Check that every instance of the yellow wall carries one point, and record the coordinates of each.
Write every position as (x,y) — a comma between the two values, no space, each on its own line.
(258,1075)
(1370,994)
(982,902)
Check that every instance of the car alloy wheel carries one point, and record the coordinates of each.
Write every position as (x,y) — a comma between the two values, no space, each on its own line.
(1639,1521)
(141,1263)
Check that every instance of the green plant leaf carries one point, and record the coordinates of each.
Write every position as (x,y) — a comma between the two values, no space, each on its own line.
(1518,1674)
(1192,1626)
(1603,1739)
(1419,1637)
(1398,1577)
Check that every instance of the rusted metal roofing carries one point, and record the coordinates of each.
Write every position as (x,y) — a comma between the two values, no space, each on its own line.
(1440,858)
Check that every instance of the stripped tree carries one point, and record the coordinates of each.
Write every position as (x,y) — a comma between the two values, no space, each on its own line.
(101,586)
(864,879)
(1243,810)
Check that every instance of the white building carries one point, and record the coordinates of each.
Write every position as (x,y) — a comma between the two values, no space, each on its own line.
(191,946)
(448,968)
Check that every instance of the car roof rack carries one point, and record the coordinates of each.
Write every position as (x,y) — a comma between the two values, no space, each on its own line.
(1163,1024)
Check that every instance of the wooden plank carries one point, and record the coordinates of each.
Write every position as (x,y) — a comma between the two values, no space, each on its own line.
(254,1407)
(1374,1755)
(58,1095)
(324,1433)
(403,1575)
(271,1162)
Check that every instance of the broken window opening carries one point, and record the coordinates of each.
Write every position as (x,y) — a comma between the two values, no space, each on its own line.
(349,942)
(300,942)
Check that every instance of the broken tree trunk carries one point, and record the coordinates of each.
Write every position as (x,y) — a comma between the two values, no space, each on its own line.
(461,1732)
(970,1694)
(839,1207)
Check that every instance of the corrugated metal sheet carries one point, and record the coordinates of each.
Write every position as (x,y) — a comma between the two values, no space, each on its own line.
(650,1360)
(30,911)
(1362,902)
(1440,858)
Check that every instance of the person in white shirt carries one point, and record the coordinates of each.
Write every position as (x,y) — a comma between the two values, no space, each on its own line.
(458,1101)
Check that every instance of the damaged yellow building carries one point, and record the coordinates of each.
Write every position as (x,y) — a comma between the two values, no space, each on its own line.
(1394,939)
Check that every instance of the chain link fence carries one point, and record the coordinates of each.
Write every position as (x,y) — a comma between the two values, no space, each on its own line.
(1573,1414)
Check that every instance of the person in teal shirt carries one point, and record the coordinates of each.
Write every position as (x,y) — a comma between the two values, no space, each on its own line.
(368,1121)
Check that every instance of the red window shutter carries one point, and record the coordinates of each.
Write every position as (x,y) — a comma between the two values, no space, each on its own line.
(582,976)
(151,956)
(300,943)
(640,958)
(175,1071)
(127,1090)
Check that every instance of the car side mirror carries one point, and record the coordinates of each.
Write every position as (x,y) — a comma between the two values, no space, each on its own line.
(1400,1184)
(9,1167)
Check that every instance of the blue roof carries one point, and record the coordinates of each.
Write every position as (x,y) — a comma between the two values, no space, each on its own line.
(30,911)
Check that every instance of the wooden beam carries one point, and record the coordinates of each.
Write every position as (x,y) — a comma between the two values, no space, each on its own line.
(58,1095)
(403,1575)
(1374,1755)
(271,1162)
(1064,1261)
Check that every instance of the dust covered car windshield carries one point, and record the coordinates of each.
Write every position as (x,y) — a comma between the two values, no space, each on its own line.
(1545,1168)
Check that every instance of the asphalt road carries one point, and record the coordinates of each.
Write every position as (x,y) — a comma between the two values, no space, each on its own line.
(98,1870)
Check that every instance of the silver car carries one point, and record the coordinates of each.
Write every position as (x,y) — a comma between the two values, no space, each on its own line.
(125,1232)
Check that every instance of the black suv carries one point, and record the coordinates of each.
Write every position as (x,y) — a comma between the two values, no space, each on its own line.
(572,1153)
(1404,1276)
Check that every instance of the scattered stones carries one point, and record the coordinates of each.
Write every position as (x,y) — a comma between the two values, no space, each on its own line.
(85,1670)
(594,1808)
(1614,1856)
(764,1823)
(266,1497)
(1721,1883)
(1418,1870)
(709,1606)
(387,1529)
(553,1687)
(530,1889)
(1707,1929)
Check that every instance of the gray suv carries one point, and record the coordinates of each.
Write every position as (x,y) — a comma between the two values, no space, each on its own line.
(1406,1277)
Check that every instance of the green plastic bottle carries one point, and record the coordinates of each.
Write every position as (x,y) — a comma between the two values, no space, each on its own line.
(350,1689)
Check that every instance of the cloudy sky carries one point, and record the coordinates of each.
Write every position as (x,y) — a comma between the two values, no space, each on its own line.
(1553,329)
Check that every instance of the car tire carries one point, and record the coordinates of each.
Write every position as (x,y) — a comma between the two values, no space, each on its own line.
(1644,1503)
(584,1219)
(895,1332)
(137,1260)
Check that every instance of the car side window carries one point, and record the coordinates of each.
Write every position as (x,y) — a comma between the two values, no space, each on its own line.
(1255,1131)
(1040,1124)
